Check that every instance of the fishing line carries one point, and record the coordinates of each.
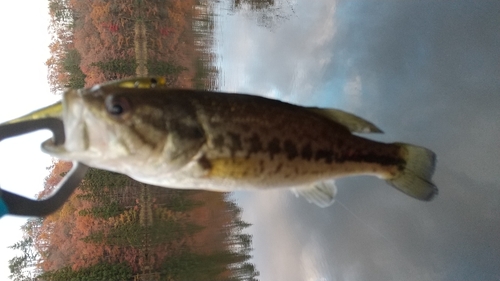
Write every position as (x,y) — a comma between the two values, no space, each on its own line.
(362,222)
(397,252)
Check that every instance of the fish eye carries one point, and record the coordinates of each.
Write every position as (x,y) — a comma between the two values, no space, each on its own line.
(117,106)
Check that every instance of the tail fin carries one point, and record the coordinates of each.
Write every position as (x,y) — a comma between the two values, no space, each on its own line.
(415,179)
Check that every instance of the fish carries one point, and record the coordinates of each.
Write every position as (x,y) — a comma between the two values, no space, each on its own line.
(208,140)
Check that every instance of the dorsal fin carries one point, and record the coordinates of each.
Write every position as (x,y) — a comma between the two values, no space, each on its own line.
(354,123)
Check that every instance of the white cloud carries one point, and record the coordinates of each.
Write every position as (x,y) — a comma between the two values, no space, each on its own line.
(290,59)
(353,90)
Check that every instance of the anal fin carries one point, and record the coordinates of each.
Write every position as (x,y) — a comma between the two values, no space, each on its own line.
(320,193)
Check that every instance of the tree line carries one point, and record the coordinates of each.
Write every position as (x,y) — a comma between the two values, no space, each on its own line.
(114,228)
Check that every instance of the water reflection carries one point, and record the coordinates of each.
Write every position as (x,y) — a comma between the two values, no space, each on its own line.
(205,21)
(114,228)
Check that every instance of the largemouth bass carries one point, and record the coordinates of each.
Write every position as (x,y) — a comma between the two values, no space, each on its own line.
(215,141)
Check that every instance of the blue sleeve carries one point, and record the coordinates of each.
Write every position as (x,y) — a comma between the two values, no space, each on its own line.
(3,208)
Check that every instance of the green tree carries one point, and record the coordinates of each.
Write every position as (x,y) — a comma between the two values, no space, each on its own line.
(253,4)
(22,268)
(192,266)
(164,68)
(61,12)
(117,66)
(104,212)
(100,271)
(71,64)
(268,13)
(246,271)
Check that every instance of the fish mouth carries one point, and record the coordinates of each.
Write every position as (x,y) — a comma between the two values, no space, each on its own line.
(71,111)
(55,110)
(71,116)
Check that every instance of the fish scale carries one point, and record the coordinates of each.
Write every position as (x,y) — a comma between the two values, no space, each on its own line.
(291,146)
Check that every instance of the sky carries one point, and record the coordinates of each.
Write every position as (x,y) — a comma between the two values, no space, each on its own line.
(24,88)
(425,72)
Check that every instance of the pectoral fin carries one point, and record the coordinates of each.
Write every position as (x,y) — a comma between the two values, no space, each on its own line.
(354,123)
(320,193)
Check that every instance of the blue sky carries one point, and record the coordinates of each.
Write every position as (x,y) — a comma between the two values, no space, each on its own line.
(425,72)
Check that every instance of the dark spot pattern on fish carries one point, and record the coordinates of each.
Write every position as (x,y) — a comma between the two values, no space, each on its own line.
(235,144)
(306,152)
(340,143)
(218,142)
(290,149)
(384,160)
(278,168)
(273,147)
(255,145)
(245,127)
(204,163)
(261,166)
(186,131)
(324,154)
